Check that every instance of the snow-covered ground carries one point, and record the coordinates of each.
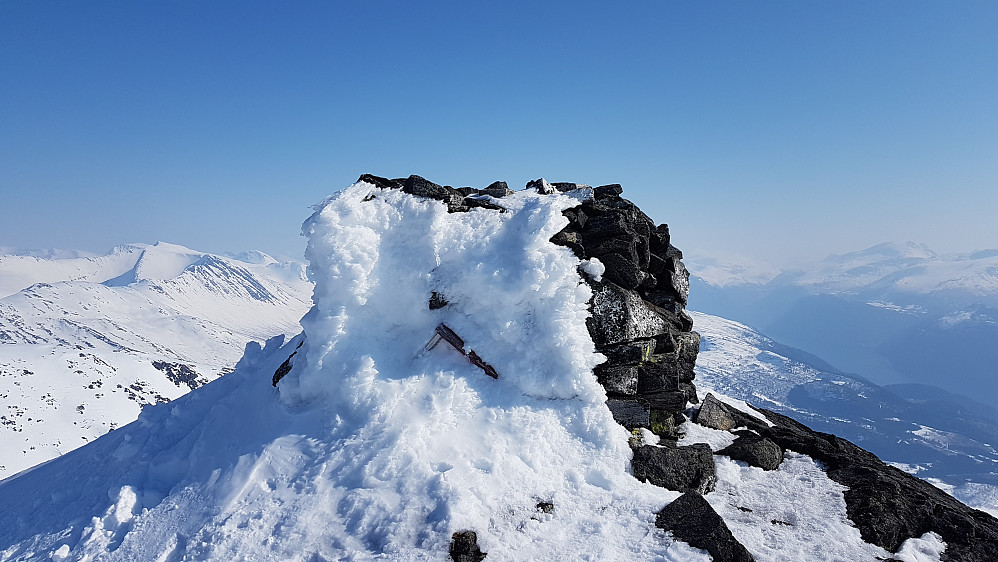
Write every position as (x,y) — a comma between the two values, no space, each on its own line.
(81,354)
(373,447)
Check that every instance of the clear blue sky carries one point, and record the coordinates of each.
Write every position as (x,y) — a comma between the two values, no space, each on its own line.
(769,129)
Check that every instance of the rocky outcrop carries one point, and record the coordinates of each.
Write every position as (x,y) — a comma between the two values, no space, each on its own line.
(754,450)
(638,320)
(887,505)
(464,547)
(684,469)
(691,519)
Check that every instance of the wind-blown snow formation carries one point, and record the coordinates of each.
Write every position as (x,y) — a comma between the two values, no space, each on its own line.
(372,445)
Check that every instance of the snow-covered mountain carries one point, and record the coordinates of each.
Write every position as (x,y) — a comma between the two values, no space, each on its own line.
(86,341)
(893,313)
(380,433)
(946,439)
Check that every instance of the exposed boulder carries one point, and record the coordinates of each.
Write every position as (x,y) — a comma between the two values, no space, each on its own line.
(619,315)
(611,190)
(714,414)
(684,469)
(497,189)
(542,186)
(383,183)
(692,520)
(755,450)
(464,547)
(417,185)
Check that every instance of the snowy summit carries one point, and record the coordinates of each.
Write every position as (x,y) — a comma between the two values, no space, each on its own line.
(461,388)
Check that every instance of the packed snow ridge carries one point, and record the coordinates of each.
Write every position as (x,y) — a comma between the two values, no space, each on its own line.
(380,432)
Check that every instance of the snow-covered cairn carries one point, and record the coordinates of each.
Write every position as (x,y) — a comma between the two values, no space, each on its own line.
(638,321)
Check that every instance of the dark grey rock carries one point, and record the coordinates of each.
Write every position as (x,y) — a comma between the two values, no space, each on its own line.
(541,185)
(628,413)
(437,301)
(625,246)
(418,185)
(576,218)
(180,374)
(755,450)
(478,203)
(498,189)
(684,469)
(660,240)
(464,547)
(284,368)
(658,375)
(663,423)
(618,379)
(692,520)
(688,347)
(630,352)
(670,401)
(605,191)
(675,315)
(675,280)
(572,240)
(619,315)
(714,414)
(568,186)
(381,182)
(609,225)
(689,391)
(622,271)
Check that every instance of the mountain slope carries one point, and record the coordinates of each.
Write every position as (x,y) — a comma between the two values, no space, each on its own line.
(78,358)
(946,441)
(894,313)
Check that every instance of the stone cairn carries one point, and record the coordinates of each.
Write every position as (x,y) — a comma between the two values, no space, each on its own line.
(639,322)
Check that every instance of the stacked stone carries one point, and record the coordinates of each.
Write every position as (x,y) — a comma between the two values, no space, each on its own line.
(639,319)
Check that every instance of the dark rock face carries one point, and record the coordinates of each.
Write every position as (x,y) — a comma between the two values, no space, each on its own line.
(638,308)
(179,374)
(464,547)
(888,505)
(497,189)
(692,520)
(755,450)
(684,469)
(714,414)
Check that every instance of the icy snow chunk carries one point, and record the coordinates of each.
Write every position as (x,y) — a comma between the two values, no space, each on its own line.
(927,548)
(594,269)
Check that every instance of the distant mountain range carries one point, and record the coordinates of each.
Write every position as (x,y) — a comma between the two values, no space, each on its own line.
(86,341)
(893,313)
